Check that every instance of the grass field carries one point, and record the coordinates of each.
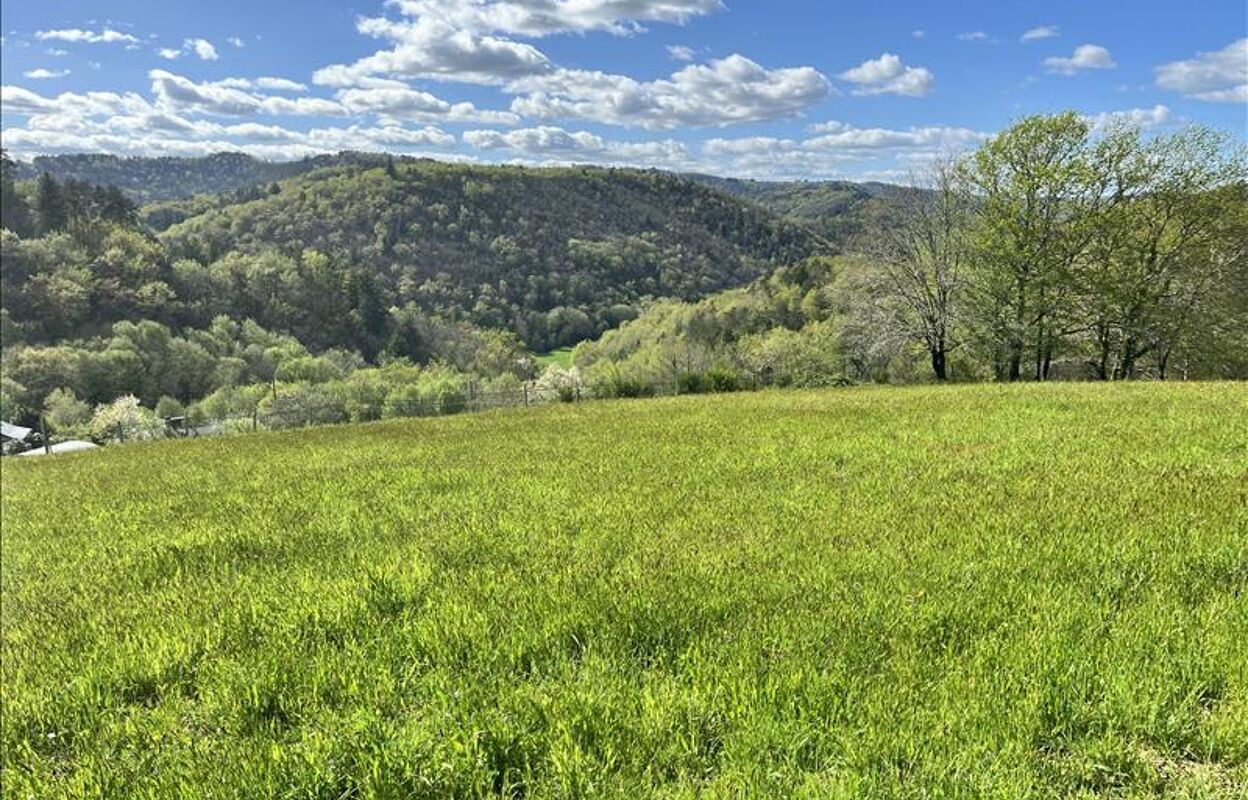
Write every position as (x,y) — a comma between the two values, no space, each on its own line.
(561,357)
(1026,591)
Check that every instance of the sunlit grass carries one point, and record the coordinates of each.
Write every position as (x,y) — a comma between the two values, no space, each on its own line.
(1030,591)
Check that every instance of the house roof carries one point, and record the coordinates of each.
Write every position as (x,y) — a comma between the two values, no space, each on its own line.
(10,431)
(72,446)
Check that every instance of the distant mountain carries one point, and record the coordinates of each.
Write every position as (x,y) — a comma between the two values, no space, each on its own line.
(836,210)
(147,180)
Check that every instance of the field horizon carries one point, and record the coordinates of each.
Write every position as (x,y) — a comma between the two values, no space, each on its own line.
(956,591)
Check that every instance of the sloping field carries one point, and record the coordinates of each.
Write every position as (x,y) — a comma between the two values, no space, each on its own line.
(1028,591)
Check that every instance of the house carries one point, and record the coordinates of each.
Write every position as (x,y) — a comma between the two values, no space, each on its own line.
(72,446)
(13,437)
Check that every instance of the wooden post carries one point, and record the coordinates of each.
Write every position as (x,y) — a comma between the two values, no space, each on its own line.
(43,434)
(526,395)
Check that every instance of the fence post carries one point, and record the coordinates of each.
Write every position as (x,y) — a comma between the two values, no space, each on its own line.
(526,395)
(255,413)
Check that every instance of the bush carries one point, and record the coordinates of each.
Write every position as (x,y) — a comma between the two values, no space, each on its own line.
(124,420)
(303,404)
(66,414)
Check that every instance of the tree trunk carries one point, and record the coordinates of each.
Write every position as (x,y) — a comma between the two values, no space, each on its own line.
(1162,361)
(1126,369)
(1102,366)
(938,363)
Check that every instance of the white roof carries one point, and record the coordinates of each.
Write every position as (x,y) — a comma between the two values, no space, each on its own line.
(72,446)
(11,431)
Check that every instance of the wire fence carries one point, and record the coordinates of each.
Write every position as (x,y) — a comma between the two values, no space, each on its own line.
(287,409)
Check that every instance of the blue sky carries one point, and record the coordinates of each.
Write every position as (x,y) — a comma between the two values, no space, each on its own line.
(779,89)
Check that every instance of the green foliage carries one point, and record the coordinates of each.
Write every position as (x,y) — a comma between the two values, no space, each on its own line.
(554,255)
(125,420)
(66,414)
(1027,592)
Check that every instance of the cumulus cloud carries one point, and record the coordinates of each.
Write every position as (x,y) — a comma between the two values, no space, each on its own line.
(403,102)
(721,92)
(474,42)
(547,144)
(1143,118)
(1042,32)
(1220,76)
(202,48)
(838,148)
(536,18)
(170,53)
(106,36)
(273,84)
(224,99)
(432,48)
(888,75)
(45,74)
(680,52)
(130,125)
(237,42)
(1086,56)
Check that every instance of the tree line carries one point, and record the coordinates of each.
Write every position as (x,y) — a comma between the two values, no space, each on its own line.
(1055,250)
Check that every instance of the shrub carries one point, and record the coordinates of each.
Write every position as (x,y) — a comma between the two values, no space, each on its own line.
(124,420)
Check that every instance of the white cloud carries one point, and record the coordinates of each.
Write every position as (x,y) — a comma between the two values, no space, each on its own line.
(888,75)
(721,92)
(274,84)
(841,149)
(106,36)
(556,145)
(56,51)
(470,41)
(1143,118)
(46,74)
(180,93)
(237,42)
(202,48)
(431,48)
(1042,32)
(169,53)
(973,36)
(918,34)
(403,102)
(1086,56)
(1220,76)
(538,18)
(680,52)
(129,125)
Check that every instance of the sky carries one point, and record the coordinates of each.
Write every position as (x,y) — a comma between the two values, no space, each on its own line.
(769,89)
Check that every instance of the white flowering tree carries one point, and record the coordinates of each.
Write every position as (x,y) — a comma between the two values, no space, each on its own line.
(125,420)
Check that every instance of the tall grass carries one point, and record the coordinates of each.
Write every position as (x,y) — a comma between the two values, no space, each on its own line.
(1031,591)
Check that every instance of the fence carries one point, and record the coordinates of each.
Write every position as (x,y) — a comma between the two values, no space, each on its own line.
(293,410)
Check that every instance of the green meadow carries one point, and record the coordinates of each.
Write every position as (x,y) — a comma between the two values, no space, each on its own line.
(1033,591)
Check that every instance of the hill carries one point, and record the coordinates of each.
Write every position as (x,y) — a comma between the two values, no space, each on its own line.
(152,179)
(507,246)
(834,209)
(837,210)
(980,591)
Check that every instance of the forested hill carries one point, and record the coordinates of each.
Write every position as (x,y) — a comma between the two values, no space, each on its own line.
(836,210)
(149,180)
(504,246)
